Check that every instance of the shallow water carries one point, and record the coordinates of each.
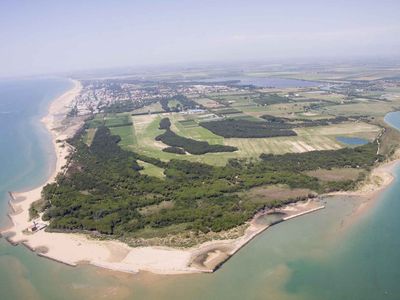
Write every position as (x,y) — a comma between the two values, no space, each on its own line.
(26,153)
(318,256)
(393,119)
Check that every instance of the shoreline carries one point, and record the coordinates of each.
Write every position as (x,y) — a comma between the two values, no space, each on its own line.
(379,180)
(75,249)
(20,202)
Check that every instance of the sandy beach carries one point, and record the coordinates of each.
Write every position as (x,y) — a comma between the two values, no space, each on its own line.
(369,192)
(74,249)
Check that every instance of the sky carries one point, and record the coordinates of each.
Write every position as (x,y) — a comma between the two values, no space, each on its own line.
(47,36)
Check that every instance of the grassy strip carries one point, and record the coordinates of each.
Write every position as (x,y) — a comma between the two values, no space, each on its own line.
(170,138)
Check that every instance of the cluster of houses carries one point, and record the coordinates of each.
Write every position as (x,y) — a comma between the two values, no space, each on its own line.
(98,94)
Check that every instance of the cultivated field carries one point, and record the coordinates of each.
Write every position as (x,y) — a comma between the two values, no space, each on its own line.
(155,107)
(145,130)
(151,170)
(207,102)
(139,129)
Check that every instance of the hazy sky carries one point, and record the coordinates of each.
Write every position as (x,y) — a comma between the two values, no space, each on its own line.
(39,36)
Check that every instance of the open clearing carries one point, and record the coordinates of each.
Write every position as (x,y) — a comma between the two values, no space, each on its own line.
(140,132)
(126,133)
(336,174)
(140,137)
(266,194)
(207,102)
(151,209)
(350,129)
(146,129)
(362,108)
(308,139)
(90,132)
(151,170)
(154,107)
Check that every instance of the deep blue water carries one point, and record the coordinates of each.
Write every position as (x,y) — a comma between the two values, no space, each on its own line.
(352,141)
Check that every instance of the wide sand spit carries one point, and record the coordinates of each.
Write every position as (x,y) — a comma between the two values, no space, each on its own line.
(73,249)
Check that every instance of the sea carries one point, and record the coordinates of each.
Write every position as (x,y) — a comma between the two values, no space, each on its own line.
(335,253)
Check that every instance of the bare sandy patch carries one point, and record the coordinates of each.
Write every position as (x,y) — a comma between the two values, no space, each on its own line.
(336,174)
(276,192)
(296,147)
(306,146)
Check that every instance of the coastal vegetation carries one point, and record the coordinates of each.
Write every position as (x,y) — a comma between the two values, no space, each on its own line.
(175,150)
(233,128)
(297,122)
(140,131)
(124,106)
(359,157)
(181,103)
(106,191)
(268,99)
(192,146)
(176,174)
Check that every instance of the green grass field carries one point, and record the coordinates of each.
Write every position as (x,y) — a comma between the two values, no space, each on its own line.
(155,107)
(127,134)
(188,123)
(88,138)
(308,139)
(140,137)
(207,102)
(110,120)
(151,170)
(370,108)
(146,129)
(194,132)
(119,124)
(173,103)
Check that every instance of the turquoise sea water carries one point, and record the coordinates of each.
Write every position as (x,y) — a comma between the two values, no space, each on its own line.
(330,254)
(25,152)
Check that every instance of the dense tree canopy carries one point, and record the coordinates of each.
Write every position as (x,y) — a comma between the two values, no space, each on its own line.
(170,138)
(103,190)
(232,128)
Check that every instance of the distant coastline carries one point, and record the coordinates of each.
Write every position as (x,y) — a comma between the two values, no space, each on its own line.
(74,249)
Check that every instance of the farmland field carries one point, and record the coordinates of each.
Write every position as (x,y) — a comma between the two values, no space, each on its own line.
(138,130)
(128,137)
(366,108)
(155,107)
(208,103)
(151,170)
(145,129)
